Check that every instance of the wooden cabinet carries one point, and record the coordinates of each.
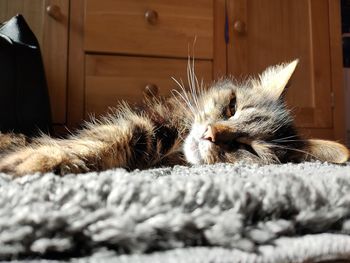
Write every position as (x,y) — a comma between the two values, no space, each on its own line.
(144,43)
(118,49)
(272,31)
(52,34)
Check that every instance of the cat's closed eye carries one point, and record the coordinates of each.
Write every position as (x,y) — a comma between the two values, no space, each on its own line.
(230,110)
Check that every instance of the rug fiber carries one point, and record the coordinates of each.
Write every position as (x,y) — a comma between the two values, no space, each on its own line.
(217,213)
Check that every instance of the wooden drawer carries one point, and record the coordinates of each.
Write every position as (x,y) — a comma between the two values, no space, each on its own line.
(119,26)
(112,78)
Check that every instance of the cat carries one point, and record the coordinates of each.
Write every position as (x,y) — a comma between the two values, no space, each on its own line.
(228,122)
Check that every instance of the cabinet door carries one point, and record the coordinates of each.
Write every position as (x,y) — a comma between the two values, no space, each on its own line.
(149,27)
(269,32)
(110,79)
(52,34)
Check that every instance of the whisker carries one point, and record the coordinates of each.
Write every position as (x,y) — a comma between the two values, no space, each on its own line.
(186,101)
(201,90)
(181,104)
(184,96)
(198,87)
(293,149)
(191,76)
(281,141)
(191,82)
(182,87)
(288,137)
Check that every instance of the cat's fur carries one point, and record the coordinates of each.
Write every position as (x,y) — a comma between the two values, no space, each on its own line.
(226,123)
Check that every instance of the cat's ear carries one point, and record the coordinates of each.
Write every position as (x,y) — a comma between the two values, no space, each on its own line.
(327,151)
(274,79)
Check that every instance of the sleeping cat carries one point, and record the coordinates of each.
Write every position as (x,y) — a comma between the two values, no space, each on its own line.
(226,123)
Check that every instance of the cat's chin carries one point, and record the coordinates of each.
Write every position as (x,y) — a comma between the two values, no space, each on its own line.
(196,149)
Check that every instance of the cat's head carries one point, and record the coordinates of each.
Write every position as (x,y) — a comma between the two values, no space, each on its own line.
(249,121)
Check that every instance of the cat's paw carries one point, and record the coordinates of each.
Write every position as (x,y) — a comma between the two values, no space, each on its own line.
(42,160)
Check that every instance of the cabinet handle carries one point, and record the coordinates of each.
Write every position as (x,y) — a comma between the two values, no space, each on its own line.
(151,17)
(151,90)
(239,26)
(54,11)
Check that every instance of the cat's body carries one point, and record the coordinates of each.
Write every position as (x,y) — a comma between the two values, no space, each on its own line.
(227,123)
(129,138)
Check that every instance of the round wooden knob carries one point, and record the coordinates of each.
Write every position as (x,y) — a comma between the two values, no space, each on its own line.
(151,16)
(54,11)
(151,90)
(239,27)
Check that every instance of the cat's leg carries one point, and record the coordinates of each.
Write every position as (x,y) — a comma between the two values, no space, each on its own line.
(128,142)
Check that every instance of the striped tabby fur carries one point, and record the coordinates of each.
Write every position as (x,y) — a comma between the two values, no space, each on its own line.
(228,122)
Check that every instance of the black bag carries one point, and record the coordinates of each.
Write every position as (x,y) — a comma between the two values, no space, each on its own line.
(24,100)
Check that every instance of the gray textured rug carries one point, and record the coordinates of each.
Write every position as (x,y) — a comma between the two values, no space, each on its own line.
(218,213)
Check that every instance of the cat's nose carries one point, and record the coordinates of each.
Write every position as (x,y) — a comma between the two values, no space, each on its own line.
(209,134)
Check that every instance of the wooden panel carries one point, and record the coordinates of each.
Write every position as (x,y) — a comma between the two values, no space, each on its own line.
(3,10)
(337,71)
(315,133)
(14,7)
(55,56)
(112,78)
(60,131)
(76,69)
(118,26)
(220,54)
(279,31)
